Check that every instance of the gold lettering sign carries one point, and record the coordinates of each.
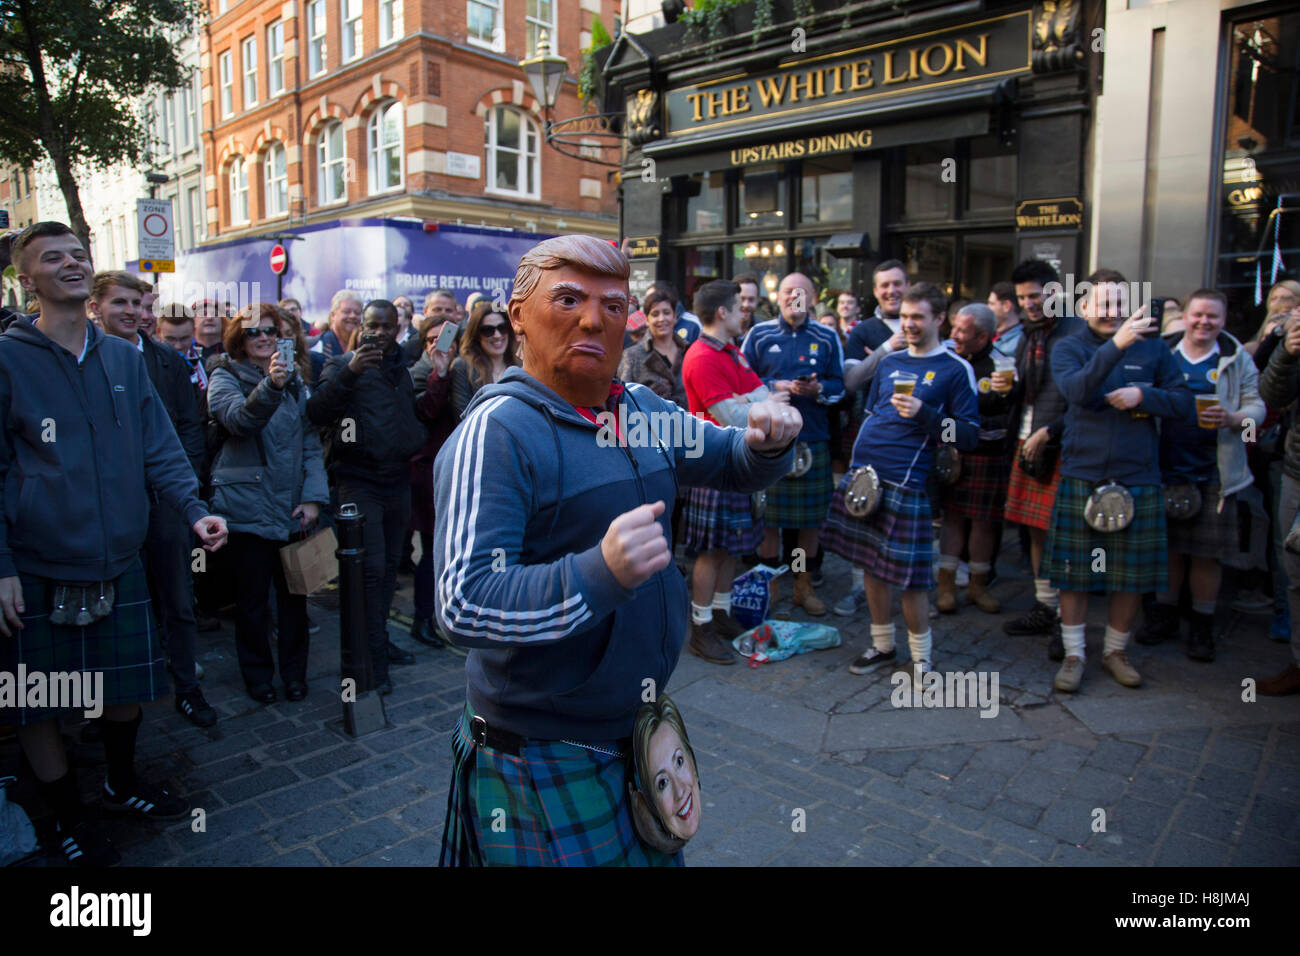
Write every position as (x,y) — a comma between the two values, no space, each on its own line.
(796,148)
(998,46)
(641,247)
(1049,214)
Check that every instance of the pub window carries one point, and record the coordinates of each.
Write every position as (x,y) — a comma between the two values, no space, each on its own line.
(826,271)
(926,195)
(826,191)
(991,181)
(761,197)
(705,202)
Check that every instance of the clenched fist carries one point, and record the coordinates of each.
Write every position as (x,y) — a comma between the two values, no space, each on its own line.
(634,547)
(772,426)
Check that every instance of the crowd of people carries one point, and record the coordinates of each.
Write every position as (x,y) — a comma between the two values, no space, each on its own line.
(1137,460)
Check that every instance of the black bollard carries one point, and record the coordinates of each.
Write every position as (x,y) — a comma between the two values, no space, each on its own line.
(363,707)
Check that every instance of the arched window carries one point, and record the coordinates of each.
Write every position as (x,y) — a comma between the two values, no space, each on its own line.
(331,165)
(238,191)
(384,147)
(276,179)
(513,166)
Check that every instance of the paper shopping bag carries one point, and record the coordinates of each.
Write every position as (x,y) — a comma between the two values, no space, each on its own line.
(310,563)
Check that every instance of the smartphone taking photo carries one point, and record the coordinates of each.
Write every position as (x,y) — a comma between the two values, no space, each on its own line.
(286,350)
(447,337)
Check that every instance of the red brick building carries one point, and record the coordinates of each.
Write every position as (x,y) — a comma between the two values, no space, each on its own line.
(315,110)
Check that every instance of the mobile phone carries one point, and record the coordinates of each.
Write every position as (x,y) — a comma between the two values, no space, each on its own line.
(285,347)
(370,338)
(803,378)
(447,337)
(1157,312)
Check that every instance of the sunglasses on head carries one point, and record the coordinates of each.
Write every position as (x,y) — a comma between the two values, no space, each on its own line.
(258,333)
(487,331)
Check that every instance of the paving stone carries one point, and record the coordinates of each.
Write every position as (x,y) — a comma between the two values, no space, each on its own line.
(976,847)
(1004,758)
(215,750)
(1205,819)
(1059,756)
(300,857)
(310,826)
(926,781)
(1069,819)
(882,853)
(908,839)
(945,760)
(939,808)
(1223,785)
(359,840)
(272,778)
(421,851)
(949,858)
(1277,817)
(1138,820)
(1005,857)
(1117,756)
(1021,813)
(1256,732)
(1192,739)
(1038,788)
(424,814)
(752,845)
(1263,850)
(1099,786)
(1122,849)
(221,771)
(1185,849)
(1234,753)
(330,761)
(302,797)
(893,762)
(1159,785)
(300,746)
(280,730)
(244,818)
(976,789)
(1024,840)
(239,851)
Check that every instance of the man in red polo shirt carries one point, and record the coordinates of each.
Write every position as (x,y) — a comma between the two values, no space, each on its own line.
(720,386)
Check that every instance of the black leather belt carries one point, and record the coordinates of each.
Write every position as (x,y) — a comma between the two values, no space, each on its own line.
(494,737)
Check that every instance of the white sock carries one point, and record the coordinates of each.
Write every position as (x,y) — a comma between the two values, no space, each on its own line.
(1044,593)
(722,602)
(700,615)
(1204,607)
(919,645)
(980,567)
(882,637)
(1072,638)
(1115,640)
(948,562)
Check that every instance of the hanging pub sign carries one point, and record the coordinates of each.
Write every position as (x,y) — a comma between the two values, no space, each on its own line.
(1049,214)
(996,47)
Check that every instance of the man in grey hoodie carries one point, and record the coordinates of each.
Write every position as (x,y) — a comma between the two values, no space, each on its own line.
(83,439)
(552,561)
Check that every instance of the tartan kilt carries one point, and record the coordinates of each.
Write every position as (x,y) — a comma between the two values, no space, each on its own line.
(124,647)
(1211,533)
(1029,501)
(980,492)
(1137,559)
(563,806)
(802,502)
(721,520)
(894,544)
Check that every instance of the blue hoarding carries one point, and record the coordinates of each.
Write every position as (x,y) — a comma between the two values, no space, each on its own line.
(379,258)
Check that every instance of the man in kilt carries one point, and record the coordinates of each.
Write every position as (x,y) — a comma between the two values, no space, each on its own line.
(894,544)
(85,441)
(720,387)
(804,360)
(1042,421)
(1114,381)
(972,505)
(552,562)
(1208,453)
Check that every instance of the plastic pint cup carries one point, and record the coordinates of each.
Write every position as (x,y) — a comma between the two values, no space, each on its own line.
(1203,404)
(904,383)
(1004,369)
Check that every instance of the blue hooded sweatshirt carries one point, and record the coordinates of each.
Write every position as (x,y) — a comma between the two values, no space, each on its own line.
(82,445)
(524,491)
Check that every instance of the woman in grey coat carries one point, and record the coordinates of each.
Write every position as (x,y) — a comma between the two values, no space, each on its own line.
(269,479)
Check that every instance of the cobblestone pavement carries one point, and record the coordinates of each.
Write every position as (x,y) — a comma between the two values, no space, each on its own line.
(801,762)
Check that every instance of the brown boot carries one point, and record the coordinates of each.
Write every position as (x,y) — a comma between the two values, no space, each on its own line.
(805,597)
(978,592)
(706,643)
(948,590)
(1279,685)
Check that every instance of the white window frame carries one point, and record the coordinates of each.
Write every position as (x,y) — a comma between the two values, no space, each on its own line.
(226,63)
(248,53)
(275,59)
(165,134)
(535,25)
(498,41)
(528,134)
(352,42)
(325,164)
(275,185)
(239,211)
(316,44)
(188,115)
(391,26)
(377,149)
(194,198)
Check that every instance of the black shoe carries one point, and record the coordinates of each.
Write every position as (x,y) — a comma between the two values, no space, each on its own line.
(1200,638)
(870,659)
(407,566)
(204,624)
(312,628)
(84,845)
(295,690)
(262,693)
(727,626)
(398,656)
(147,800)
(422,631)
(198,710)
(385,687)
(1056,646)
(1161,625)
(1041,619)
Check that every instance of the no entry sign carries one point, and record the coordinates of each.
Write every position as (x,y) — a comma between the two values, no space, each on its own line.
(279,259)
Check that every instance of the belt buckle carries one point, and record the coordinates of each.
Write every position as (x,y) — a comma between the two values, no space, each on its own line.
(478,730)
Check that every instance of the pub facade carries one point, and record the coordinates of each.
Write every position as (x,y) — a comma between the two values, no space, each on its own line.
(951,136)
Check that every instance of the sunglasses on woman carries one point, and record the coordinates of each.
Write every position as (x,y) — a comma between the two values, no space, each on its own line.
(487,331)
(258,333)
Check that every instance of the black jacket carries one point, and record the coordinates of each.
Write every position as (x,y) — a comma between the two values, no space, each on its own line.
(1049,404)
(384,431)
(999,411)
(1279,386)
(170,375)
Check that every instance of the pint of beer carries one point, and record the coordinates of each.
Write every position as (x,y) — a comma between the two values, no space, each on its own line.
(1203,404)
(1004,370)
(904,383)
